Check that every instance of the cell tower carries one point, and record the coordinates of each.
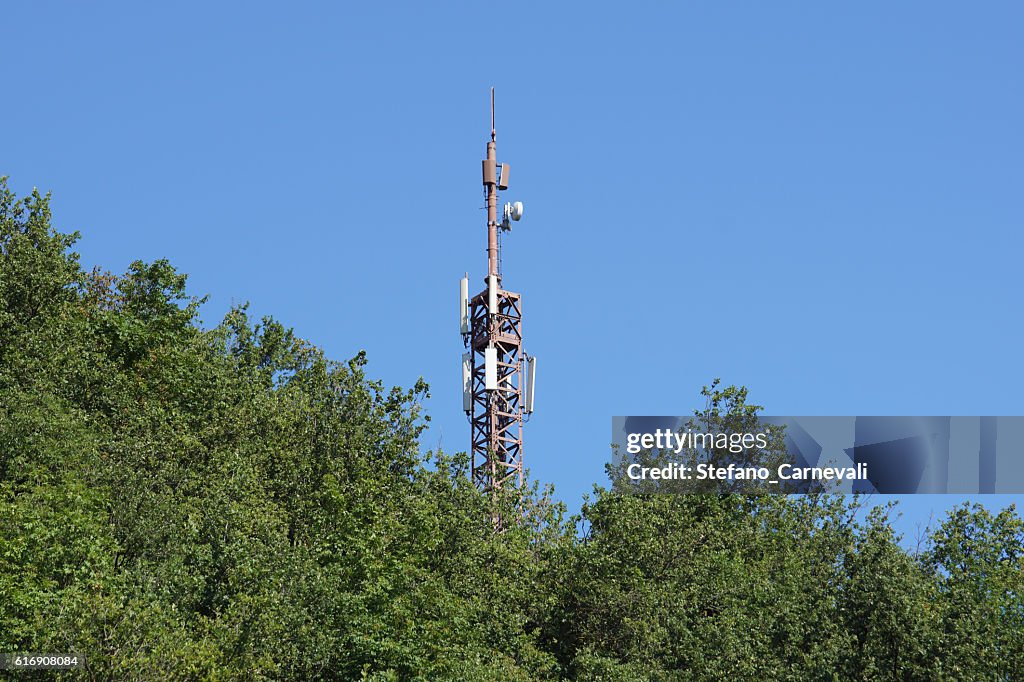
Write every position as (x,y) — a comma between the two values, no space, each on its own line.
(497,376)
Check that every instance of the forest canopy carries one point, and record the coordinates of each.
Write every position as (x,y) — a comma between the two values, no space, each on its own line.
(228,503)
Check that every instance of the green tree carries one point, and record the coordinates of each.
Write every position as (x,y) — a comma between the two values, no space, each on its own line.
(977,560)
(887,606)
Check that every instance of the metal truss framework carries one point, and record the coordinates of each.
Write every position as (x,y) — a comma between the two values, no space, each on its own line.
(497,415)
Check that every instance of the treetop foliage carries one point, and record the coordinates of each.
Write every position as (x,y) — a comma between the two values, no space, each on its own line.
(228,503)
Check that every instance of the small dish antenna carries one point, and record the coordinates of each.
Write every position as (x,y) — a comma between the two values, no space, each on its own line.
(513,211)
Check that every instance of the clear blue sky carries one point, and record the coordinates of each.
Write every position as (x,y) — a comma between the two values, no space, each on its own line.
(820,202)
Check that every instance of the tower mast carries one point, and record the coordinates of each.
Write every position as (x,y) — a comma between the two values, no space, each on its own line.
(494,379)
(492,200)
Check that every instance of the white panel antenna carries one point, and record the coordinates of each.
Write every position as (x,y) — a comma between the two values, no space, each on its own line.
(531,375)
(491,369)
(492,294)
(464,305)
(467,382)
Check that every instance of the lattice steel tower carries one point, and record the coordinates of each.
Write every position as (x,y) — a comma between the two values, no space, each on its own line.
(497,376)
